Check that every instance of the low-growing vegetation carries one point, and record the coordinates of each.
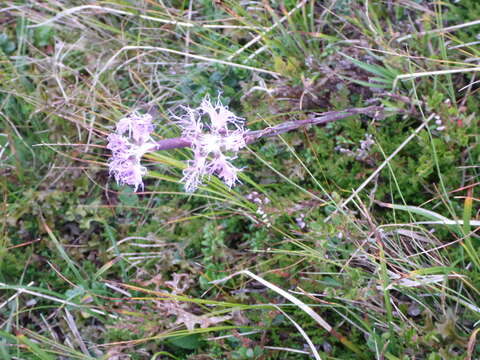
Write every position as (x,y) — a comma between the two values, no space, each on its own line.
(350,233)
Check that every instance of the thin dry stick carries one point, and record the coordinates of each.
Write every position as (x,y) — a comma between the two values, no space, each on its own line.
(325,118)
(380,168)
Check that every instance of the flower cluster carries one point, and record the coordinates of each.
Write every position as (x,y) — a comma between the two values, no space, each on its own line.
(214,143)
(224,133)
(130,142)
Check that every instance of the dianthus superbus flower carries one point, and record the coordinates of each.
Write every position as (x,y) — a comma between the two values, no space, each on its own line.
(213,132)
(131,141)
(193,174)
(222,166)
(220,116)
(210,140)
(137,126)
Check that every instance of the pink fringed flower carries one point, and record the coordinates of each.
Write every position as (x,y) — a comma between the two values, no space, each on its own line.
(128,150)
(224,132)
(139,127)
(235,140)
(193,174)
(221,166)
(220,116)
(214,133)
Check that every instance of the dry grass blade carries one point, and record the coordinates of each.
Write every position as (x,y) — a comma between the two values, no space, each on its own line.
(171,51)
(432,73)
(414,280)
(14,296)
(302,332)
(304,307)
(55,299)
(440,31)
(287,349)
(471,344)
(73,327)
(145,17)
